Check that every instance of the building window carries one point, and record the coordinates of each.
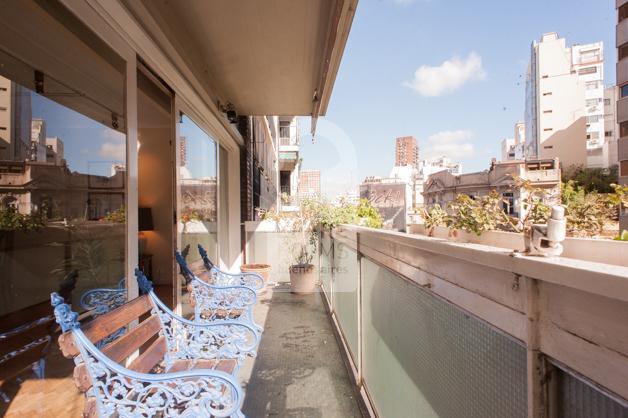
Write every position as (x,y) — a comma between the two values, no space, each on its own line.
(509,203)
(549,93)
(623,129)
(587,70)
(548,147)
(622,52)
(3,89)
(593,118)
(4,109)
(547,111)
(3,128)
(592,102)
(622,12)
(548,129)
(623,91)
(591,85)
(593,135)
(623,168)
(607,102)
(608,134)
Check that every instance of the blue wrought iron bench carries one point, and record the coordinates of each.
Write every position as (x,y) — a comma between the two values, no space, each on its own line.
(185,369)
(103,300)
(222,278)
(219,302)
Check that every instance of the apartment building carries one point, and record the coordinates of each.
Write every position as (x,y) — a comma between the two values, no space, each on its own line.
(15,120)
(514,148)
(442,188)
(406,151)
(289,161)
(611,127)
(564,112)
(622,101)
(309,184)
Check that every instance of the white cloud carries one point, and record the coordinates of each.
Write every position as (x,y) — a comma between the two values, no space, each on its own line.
(447,77)
(453,144)
(114,147)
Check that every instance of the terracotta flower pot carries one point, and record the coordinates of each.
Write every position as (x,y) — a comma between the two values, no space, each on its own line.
(261,269)
(302,278)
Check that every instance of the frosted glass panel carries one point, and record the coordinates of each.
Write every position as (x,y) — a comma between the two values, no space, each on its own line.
(346,293)
(326,263)
(576,399)
(425,358)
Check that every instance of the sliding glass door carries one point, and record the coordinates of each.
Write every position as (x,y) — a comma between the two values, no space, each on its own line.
(197,209)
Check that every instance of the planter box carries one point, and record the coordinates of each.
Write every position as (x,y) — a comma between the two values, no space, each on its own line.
(589,249)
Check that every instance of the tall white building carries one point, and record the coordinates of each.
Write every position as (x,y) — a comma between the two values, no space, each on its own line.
(565,102)
(514,148)
(38,140)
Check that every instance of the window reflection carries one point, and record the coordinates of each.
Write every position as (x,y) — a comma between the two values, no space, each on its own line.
(62,194)
(197,209)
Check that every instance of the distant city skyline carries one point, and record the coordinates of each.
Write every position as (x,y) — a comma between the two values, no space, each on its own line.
(460,96)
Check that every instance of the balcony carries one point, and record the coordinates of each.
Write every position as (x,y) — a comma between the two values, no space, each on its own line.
(622,32)
(420,324)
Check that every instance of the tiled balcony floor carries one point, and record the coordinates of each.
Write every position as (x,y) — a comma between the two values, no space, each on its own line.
(298,372)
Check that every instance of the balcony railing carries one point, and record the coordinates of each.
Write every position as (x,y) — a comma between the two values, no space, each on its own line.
(286,138)
(445,329)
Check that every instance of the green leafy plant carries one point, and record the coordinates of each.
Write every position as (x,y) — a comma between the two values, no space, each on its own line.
(623,236)
(12,220)
(587,213)
(435,216)
(479,215)
(591,179)
(88,255)
(116,216)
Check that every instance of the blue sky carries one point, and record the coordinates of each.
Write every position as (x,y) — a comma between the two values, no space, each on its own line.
(467,109)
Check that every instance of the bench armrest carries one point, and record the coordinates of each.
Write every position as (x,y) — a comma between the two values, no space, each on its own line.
(102,300)
(199,392)
(252,280)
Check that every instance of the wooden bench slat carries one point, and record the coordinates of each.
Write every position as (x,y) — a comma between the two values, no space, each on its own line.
(107,324)
(151,357)
(224,365)
(125,345)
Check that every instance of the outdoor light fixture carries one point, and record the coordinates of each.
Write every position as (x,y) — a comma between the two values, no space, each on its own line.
(229,111)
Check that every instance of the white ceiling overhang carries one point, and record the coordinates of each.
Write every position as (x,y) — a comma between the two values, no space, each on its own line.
(272,57)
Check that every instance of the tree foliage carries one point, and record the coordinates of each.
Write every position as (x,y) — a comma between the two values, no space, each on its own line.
(12,220)
(600,180)
(587,213)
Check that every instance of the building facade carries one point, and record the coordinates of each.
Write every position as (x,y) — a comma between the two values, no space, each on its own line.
(389,196)
(442,188)
(309,184)
(406,151)
(564,112)
(611,127)
(15,120)
(622,101)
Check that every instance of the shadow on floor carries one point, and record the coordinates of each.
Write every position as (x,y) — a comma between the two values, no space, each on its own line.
(299,371)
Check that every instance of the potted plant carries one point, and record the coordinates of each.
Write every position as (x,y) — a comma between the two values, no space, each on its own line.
(302,244)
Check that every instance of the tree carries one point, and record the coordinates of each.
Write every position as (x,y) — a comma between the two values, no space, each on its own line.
(600,180)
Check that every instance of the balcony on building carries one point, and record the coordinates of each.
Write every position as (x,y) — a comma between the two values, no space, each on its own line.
(400,324)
